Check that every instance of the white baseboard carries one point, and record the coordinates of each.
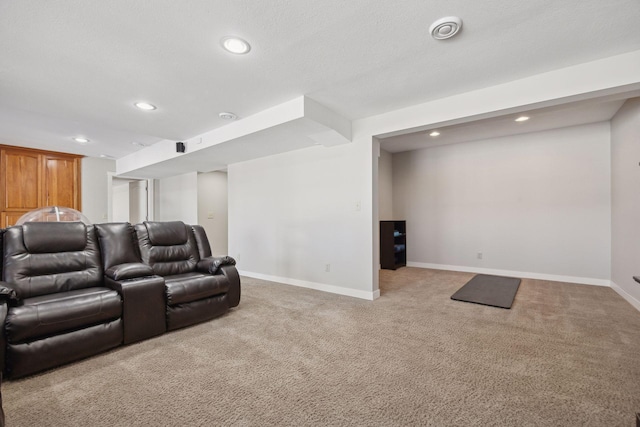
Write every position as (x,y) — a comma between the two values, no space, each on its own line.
(630,299)
(521,274)
(314,285)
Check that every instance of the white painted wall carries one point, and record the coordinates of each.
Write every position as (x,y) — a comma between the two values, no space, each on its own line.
(213,210)
(532,203)
(385,186)
(292,214)
(625,201)
(176,198)
(95,191)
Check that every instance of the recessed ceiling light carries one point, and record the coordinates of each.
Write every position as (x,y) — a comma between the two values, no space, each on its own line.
(235,45)
(445,28)
(522,119)
(80,139)
(225,115)
(106,156)
(145,106)
(434,133)
(138,144)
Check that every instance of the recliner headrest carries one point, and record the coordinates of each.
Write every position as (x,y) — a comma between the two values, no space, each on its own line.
(168,233)
(53,237)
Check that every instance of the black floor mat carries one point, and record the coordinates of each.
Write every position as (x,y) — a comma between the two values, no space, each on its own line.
(496,291)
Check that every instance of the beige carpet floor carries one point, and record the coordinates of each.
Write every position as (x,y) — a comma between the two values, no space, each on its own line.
(564,355)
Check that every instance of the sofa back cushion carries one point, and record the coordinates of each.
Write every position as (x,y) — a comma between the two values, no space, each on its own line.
(204,248)
(42,258)
(169,233)
(43,237)
(117,244)
(168,247)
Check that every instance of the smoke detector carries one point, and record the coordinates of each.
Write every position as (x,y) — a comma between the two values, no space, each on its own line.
(225,115)
(445,28)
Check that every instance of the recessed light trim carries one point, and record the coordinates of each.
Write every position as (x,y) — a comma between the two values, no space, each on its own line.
(138,144)
(235,45)
(81,139)
(226,115)
(522,119)
(145,106)
(434,133)
(445,28)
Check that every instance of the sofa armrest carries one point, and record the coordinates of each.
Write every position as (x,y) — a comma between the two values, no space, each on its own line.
(8,294)
(143,306)
(127,271)
(233,294)
(3,340)
(213,264)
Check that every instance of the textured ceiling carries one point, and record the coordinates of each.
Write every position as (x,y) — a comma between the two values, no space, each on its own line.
(74,67)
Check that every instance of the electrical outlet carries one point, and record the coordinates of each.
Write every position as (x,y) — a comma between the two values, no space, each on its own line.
(479,255)
(209,215)
(327,268)
(238,257)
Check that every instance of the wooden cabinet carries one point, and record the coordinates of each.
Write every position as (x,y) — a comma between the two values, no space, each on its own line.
(21,177)
(393,244)
(30,179)
(60,172)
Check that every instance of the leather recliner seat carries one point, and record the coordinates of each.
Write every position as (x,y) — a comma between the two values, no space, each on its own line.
(198,286)
(63,310)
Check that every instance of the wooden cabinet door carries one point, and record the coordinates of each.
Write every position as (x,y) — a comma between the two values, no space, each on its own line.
(21,180)
(61,181)
(7,219)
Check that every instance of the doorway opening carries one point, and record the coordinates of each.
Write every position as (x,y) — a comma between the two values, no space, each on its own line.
(130,200)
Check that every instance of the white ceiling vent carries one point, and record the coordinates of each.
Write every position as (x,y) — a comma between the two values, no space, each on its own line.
(445,28)
(225,115)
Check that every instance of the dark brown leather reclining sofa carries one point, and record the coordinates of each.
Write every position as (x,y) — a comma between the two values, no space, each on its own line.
(70,290)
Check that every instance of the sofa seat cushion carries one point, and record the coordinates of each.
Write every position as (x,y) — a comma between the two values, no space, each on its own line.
(188,287)
(52,314)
